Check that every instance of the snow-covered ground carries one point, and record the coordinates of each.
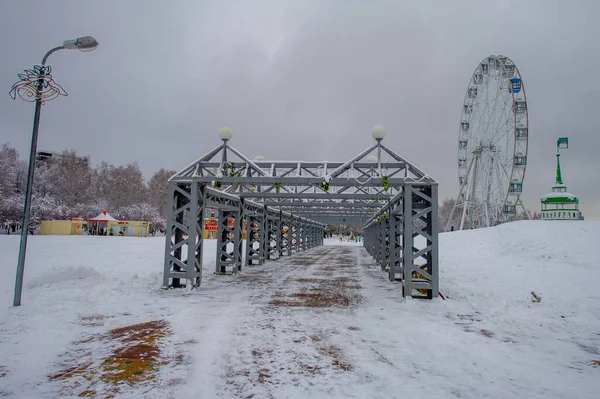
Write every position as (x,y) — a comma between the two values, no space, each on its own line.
(241,336)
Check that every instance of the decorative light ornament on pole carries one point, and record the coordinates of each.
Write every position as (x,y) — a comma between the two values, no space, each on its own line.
(36,85)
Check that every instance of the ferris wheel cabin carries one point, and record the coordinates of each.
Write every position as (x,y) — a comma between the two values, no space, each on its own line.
(510,209)
(521,133)
(520,160)
(515,85)
(520,106)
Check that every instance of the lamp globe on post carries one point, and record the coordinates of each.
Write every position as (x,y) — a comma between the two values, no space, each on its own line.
(378,133)
(225,134)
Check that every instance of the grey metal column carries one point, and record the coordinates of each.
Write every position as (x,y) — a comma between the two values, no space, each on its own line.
(290,236)
(265,237)
(395,270)
(172,249)
(222,239)
(385,224)
(274,240)
(408,241)
(195,236)
(274,234)
(238,238)
(299,235)
(251,239)
(434,243)
(303,235)
(376,242)
(262,234)
(226,257)
(380,242)
(279,234)
(254,236)
(294,235)
(283,241)
(374,247)
(174,267)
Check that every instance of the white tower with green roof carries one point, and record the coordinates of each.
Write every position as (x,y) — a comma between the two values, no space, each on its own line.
(560,204)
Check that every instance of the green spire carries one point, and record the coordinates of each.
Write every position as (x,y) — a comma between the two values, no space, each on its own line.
(558,174)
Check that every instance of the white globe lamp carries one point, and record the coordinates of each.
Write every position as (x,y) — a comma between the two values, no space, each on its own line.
(378,133)
(225,134)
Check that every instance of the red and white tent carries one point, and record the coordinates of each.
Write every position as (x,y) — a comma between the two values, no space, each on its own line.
(103,217)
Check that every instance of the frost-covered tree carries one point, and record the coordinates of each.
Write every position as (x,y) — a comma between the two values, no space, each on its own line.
(69,187)
(120,186)
(9,168)
(141,211)
(68,179)
(11,208)
(158,189)
(523,216)
(43,179)
(45,208)
(444,214)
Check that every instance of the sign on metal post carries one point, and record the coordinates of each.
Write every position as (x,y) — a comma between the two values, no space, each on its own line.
(562,143)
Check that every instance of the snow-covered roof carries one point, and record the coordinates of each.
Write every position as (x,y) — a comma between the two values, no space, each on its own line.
(102,217)
(569,196)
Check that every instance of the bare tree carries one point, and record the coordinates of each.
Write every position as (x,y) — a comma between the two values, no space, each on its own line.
(158,189)
(444,212)
(120,186)
(68,179)
(9,159)
(523,216)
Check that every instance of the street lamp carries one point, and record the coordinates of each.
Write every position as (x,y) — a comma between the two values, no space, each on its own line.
(225,135)
(36,85)
(378,134)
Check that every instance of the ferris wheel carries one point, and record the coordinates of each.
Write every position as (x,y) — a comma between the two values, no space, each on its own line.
(492,145)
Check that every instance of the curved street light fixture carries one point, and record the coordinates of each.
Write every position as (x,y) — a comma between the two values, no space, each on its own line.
(37,85)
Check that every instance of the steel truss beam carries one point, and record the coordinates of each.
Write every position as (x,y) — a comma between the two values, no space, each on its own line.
(285,204)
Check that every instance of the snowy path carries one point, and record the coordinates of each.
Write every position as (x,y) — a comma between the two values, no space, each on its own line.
(380,347)
(321,323)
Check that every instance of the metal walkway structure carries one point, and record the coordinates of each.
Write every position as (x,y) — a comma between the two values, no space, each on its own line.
(287,204)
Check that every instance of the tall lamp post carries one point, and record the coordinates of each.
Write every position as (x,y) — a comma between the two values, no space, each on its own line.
(36,85)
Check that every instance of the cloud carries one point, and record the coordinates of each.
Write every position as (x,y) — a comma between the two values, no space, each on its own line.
(305,80)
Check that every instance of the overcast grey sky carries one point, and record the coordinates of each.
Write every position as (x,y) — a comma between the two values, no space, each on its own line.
(304,80)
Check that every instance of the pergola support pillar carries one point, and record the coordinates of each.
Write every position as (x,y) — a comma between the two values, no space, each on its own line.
(184,217)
